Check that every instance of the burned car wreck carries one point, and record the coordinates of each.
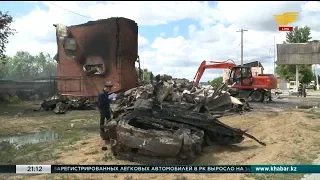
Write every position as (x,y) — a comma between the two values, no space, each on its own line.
(148,129)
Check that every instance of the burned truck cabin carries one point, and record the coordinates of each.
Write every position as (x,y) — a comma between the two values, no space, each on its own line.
(97,51)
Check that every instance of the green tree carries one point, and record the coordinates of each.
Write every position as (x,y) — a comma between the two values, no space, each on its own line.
(146,75)
(26,66)
(299,35)
(166,77)
(216,81)
(5,32)
(288,72)
(6,67)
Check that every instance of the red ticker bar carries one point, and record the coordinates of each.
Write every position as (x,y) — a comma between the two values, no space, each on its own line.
(285,28)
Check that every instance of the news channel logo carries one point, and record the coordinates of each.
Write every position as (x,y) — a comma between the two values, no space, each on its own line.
(285,19)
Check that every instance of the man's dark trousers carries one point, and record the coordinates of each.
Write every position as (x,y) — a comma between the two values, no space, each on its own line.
(104,114)
(104,107)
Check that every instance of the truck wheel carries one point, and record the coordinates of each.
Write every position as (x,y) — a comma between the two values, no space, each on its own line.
(257,96)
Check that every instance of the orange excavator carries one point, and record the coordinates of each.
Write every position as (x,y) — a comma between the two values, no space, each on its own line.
(241,81)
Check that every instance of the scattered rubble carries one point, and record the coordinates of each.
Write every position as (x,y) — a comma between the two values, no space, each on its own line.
(60,106)
(171,123)
(165,122)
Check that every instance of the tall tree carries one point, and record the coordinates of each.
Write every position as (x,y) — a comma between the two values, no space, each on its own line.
(5,68)
(216,82)
(299,35)
(5,32)
(146,74)
(26,66)
(166,77)
(287,72)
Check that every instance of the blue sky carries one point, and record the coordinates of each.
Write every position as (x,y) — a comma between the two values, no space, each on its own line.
(151,32)
(19,9)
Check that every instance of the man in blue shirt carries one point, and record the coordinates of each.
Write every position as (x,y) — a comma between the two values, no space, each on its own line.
(104,105)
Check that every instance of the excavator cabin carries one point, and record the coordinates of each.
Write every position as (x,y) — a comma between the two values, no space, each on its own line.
(240,75)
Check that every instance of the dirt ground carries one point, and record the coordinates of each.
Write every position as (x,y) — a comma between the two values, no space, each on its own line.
(291,137)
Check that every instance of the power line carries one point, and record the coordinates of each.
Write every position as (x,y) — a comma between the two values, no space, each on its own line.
(238,50)
(70,11)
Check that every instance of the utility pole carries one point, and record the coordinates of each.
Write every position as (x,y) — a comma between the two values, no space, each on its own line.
(242,30)
(316,73)
(274,56)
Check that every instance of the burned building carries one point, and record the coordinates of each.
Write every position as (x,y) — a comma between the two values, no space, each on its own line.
(93,53)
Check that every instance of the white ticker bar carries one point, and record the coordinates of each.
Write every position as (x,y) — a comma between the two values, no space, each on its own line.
(33,169)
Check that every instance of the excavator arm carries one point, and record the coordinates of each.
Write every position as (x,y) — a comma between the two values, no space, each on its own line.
(211,65)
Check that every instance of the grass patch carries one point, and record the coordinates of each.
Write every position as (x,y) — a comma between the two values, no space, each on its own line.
(309,127)
(10,154)
(108,156)
(66,147)
(24,120)
(312,114)
(92,152)
(300,158)
(14,108)
(72,136)
(30,121)
(314,128)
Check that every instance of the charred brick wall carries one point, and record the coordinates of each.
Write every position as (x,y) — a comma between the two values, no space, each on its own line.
(114,42)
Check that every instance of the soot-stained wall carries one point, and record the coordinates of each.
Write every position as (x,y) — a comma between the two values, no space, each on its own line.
(113,42)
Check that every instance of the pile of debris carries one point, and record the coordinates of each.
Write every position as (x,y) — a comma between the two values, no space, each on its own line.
(217,101)
(60,106)
(170,124)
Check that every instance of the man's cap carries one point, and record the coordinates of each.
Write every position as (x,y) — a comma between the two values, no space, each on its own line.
(108,84)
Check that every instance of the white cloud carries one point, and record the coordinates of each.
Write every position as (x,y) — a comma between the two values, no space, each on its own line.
(256,15)
(214,39)
(142,42)
(153,13)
